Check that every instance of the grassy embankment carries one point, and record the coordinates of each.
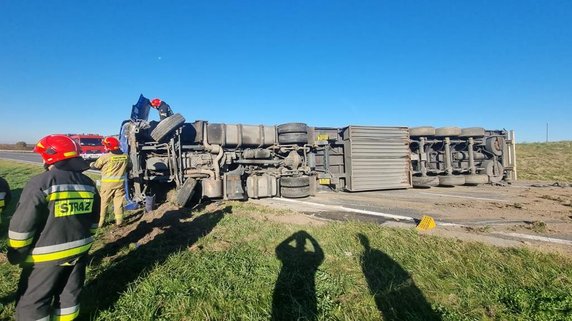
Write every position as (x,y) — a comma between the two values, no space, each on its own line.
(231,261)
(545,161)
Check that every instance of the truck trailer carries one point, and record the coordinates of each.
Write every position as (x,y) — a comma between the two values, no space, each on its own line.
(175,160)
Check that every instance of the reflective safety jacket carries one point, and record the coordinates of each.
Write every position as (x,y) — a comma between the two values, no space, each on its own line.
(2,200)
(55,218)
(5,194)
(113,166)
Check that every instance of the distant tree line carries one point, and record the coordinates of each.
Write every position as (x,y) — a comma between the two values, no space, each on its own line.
(21,145)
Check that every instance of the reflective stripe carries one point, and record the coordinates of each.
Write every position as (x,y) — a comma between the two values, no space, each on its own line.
(65,311)
(67,317)
(19,235)
(69,187)
(61,247)
(16,244)
(112,179)
(17,240)
(67,195)
(2,203)
(2,197)
(44,319)
(38,258)
(68,154)
(59,251)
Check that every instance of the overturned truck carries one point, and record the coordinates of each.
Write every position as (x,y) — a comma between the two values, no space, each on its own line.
(178,161)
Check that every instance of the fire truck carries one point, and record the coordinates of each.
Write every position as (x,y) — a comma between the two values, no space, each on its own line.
(91,145)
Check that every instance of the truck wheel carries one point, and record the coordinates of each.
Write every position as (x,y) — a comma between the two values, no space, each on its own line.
(474,180)
(425,181)
(293,138)
(166,126)
(493,169)
(473,132)
(451,180)
(447,131)
(422,131)
(295,192)
(292,128)
(186,192)
(494,145)
(300,181)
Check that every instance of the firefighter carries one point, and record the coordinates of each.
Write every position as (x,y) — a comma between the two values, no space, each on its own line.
(51,232)
(163,108)
(113,166)
(5,195)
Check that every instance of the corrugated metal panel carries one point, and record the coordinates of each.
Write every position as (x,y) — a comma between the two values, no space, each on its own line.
(377,158)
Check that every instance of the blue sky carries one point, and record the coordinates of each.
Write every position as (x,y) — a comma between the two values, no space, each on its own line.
(78,66)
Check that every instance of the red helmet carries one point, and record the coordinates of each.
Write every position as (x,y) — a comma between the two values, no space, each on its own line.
(54,148)
(156,102)
(111,143)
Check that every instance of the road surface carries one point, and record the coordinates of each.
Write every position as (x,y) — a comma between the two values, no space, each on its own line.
(28,157)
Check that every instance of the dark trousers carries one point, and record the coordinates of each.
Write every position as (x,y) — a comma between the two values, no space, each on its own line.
(45,291)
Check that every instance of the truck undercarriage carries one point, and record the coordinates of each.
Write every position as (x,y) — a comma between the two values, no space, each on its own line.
(174,160)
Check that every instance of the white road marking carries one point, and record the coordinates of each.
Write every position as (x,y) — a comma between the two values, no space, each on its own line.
(346,209)
(537,238)
(469,197)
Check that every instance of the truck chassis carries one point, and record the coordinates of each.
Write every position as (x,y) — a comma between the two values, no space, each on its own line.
(178,161)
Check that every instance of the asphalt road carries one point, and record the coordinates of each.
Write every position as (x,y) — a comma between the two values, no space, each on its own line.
(28,157)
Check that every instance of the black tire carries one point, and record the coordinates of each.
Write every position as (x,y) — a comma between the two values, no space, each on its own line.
(473,132)
(166,126)
(474,180)
(292,128)
(493,169)
(495,145)
(186,192)
(425,181)
(422,131)
(295,192)
(300,181)
(293,138)
(447,131)
(451,180)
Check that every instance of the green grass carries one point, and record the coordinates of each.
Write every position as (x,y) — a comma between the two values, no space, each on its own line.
(231,261)
(545,161)
(233,270)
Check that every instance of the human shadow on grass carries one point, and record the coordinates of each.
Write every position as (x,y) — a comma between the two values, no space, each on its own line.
(104,291)
(294,295)
(396,295)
